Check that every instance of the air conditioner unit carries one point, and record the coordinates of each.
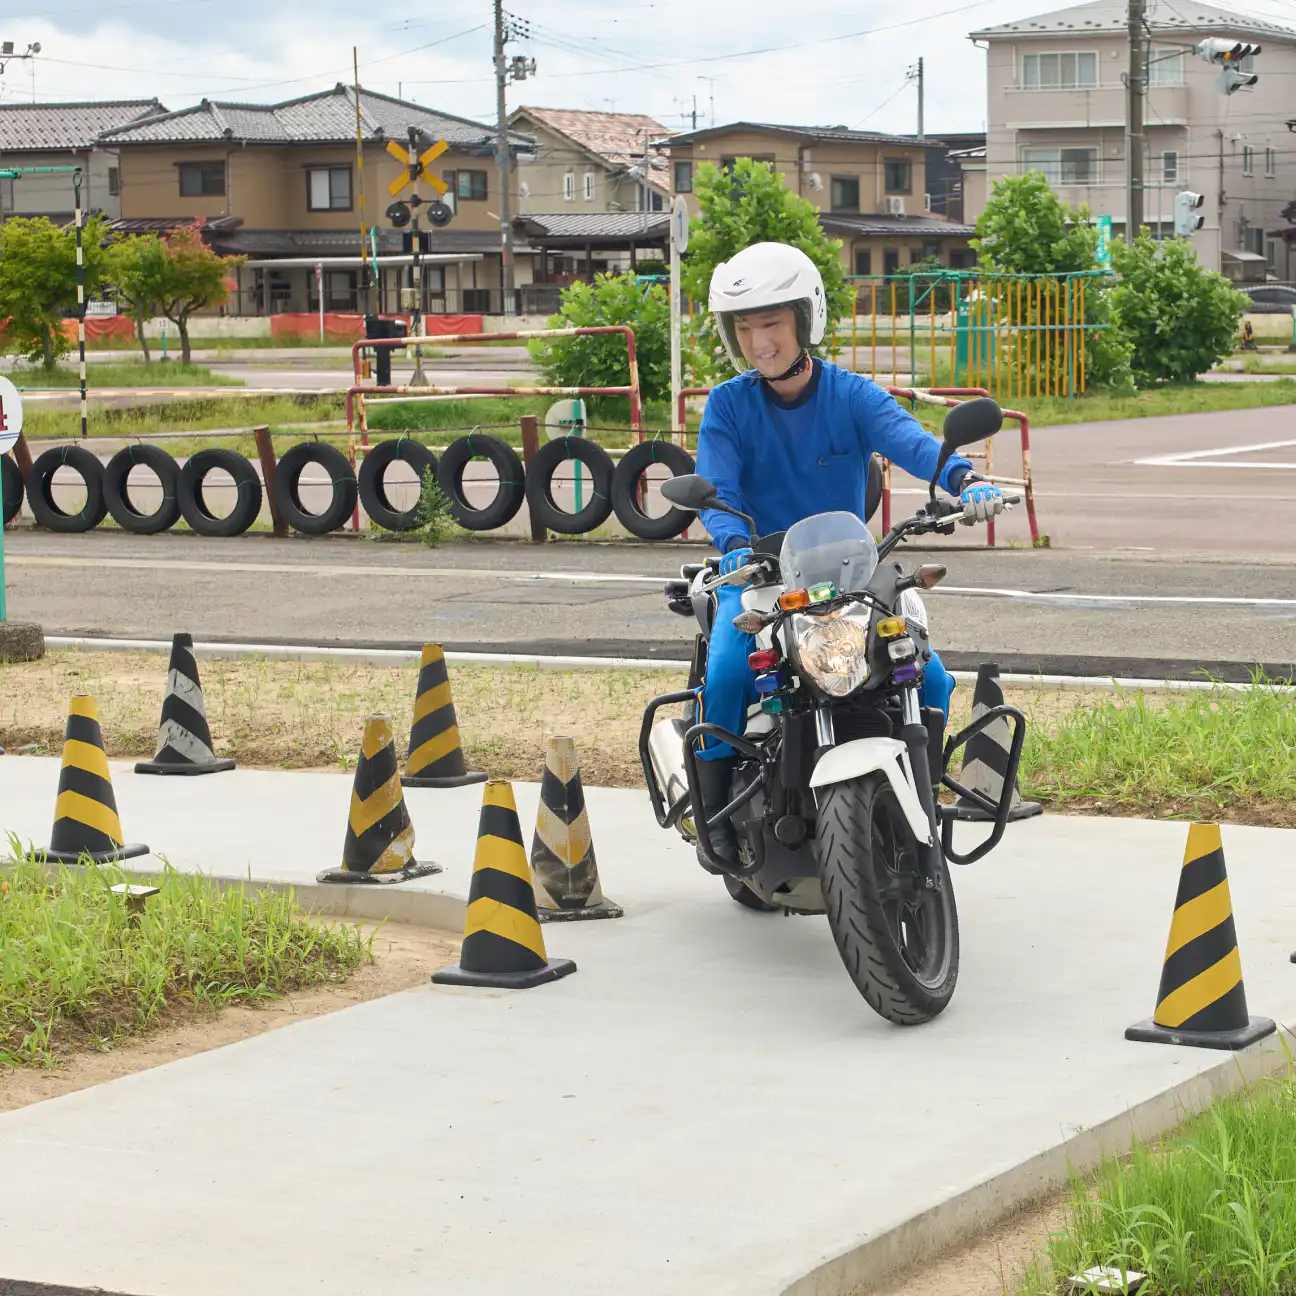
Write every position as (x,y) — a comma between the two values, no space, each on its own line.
(894,206)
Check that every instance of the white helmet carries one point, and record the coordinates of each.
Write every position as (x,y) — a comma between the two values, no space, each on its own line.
(762,277)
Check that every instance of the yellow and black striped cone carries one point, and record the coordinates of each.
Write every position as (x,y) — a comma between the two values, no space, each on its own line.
(184,739)
(1202,1001)
(985,760)
(379,844)
(436,759)
(503,945)
(562,850)
(85,814)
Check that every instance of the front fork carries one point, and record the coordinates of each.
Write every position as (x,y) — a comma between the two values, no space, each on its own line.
(915,736)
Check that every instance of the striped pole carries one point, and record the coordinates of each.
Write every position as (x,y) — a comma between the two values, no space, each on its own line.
(80,264)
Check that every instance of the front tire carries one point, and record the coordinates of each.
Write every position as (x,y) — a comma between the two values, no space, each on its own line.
(899,942)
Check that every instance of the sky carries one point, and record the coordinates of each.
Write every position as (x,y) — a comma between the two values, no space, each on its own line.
(766,60)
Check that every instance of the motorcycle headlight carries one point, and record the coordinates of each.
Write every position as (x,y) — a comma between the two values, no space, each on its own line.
(832,650)
(913,609)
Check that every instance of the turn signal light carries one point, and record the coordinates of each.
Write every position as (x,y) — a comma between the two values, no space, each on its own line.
(748,622)
(890,627)
(929,575)
(794,599)
(764,659)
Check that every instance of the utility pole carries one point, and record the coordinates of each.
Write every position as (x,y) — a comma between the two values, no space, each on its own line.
(1135,89)
(919,79)
(502,163)
(695,112)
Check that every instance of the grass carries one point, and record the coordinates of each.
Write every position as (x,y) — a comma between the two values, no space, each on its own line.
(1259,364)
(1210,1212)
(76,972)
(120,373)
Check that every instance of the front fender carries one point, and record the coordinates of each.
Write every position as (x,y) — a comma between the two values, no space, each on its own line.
(865,756)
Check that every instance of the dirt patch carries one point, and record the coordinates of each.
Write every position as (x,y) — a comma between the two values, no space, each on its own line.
(404,956)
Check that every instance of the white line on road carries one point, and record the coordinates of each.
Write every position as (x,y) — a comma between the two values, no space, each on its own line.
(1212,458)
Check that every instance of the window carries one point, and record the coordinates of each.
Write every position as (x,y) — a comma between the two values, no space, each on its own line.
(897,175)
(1170,168)
(1256,239)
(863,261)
(845,193)
(1271,162)
(339,290)
(683,177)
(1059,71)
(1271,254)
(890,261)
(114,182)
(1068,166)
(1248,160)
(202,179)
(727,163)
(655,201)
(569,187)
(471,185)
(962,258)
(328,188)
(1166,67)
(589,186)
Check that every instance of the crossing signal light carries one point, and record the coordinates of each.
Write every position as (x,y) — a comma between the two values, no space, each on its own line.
(1229,55)
(1186,206)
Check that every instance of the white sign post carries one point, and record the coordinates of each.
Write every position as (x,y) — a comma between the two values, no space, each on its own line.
(568,418)
(319,292)
(11,421)
(679,227)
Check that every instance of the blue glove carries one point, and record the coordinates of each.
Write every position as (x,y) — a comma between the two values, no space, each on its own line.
(981,501)
(734,559)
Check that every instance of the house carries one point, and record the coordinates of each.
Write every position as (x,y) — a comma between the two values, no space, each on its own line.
(973,190)
(869,188)
(61,135)
(280,184)
(945,175)
(1056,104)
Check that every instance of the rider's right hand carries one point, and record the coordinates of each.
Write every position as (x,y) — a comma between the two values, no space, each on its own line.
(734,559)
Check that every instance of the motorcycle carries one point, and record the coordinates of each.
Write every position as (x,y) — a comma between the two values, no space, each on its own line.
(834,797)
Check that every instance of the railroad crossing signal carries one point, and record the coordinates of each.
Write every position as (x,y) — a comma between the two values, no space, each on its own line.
(416,167)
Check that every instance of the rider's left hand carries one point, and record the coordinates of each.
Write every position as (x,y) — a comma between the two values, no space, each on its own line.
(734,559)
(981,501)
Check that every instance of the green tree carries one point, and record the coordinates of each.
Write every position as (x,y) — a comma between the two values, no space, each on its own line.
(38,282)
(751,204)
(600,360)
(194,279)
(138,268)
(1180,318)
(1027,229)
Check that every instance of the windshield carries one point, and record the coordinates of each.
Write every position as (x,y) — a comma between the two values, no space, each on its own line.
(833,547)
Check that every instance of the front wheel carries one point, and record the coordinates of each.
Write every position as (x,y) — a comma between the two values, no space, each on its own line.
(898,940)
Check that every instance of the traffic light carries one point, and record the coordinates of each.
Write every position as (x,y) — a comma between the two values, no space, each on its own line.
(1186,206)
(1229,55)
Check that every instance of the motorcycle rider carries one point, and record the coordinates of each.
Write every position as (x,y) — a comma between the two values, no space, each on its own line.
(789,437)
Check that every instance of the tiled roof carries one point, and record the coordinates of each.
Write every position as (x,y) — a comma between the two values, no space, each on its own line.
(842,134)
(328,117)
(621,138)
(865,224)
(620,226)
(40,127)
(1161,15)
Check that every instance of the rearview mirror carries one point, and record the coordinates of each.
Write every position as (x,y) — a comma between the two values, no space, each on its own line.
(972,421)
(689,491)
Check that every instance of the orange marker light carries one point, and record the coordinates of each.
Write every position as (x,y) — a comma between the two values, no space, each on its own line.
(794,599)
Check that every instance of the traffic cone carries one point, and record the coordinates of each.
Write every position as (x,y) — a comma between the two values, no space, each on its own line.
(562,850)
(379,845)
(503,945)
(85,813)
(1202,1001)
(985,760)
(184,740)
(436,759)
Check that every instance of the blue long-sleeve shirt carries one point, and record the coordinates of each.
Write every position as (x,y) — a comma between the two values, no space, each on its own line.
(781,461)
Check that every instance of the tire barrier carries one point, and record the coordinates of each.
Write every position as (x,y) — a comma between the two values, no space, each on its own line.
(540,482)
(184,740)
(512,481)
(1202,1001)
(286,487)
(193,504)
(116,488)
(503,943)
(379,844)
(40,489)
(11,490)
(85,813)
(985,760)
(373,490)
(436,758)
(626,483)
(562,851)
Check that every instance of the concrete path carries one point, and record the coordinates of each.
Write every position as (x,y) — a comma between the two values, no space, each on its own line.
(706,1107)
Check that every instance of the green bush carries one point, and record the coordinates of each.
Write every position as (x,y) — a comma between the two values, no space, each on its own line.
(1180,318)
(601,360)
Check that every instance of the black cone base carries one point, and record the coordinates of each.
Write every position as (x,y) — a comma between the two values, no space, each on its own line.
(407,874)
(129,851)
(167,767)
(551,971)
(974,814)
(454,780)
(604,910)
(1148,1032)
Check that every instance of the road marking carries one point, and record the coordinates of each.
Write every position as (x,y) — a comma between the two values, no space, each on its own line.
(1213,458)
